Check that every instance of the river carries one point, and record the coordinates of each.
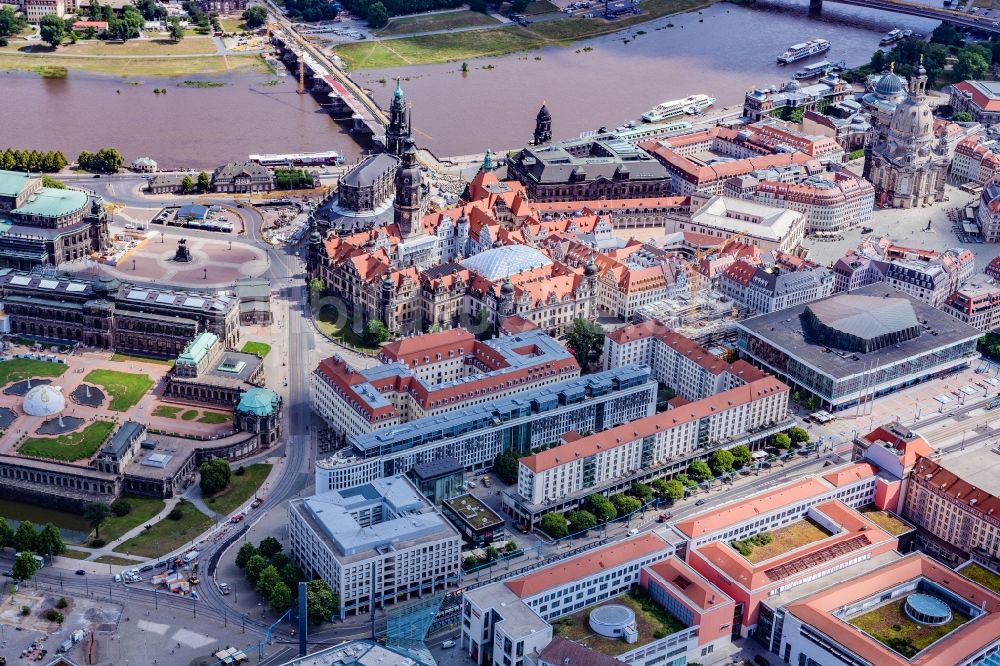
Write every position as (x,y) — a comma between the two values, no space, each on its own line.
(721,51)
(188,127)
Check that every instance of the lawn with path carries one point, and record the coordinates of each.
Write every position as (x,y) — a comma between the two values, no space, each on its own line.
(125,388)
(167,535)
(167,411)
(404,25)
(143,508)
(337,328)
(241,488)
(18,369)
(78,445)
(259,348)
(125,358)
(76,554)
(447,47)
(133,68)
(136,47)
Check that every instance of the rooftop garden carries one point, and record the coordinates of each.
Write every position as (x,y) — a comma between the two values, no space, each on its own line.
(651,621)
(478,514)
(890,625)
(886,520)
(980,574)
(765,545)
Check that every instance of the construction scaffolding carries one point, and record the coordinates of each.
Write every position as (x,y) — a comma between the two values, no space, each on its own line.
(709,317)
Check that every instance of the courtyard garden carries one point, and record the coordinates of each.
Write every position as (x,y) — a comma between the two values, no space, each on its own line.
(77,445)
(890,625)
(18,369)
(182,524)
(190,414)
(765,545)
(259,348)
(125,388)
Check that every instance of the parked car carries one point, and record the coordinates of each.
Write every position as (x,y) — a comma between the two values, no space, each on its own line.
(448,644)
(81,572)
(700,502)
(148,567)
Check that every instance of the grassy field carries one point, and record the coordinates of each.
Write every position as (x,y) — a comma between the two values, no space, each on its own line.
(167,411)
(134,67)
(143,508)
(438,21)
(241,488)
(125,388)
(17,369)
(982,575)
(232,25)
(886,521)
(167,535)
(498,41)
(71,446)
(890,625)
(76,554)
(540,7)
(261,349)
(138,47)
(111,559)
(326,322)
(125,358)
(214,418)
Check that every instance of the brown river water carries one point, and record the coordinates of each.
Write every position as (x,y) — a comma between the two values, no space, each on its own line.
(721,51)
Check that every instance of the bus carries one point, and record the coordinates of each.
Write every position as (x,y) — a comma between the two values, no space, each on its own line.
(38,558)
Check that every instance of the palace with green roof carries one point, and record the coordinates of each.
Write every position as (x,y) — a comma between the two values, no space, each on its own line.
(47,226)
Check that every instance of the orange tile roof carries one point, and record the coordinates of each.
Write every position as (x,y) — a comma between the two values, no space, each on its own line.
(412,350)
(587,564)
(817,611)
(689,584)
(851,474)
(817,554)
(714,520)
(650,425)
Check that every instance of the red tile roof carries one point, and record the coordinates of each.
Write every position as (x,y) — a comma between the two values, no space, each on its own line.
(847,475)
(978,98)
(588,564)
(689,584)
(411,351)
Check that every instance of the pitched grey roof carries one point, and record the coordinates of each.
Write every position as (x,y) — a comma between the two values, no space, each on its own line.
(369,170)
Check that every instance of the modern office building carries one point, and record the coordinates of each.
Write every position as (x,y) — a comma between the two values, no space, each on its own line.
(375,544)
(857,346)
(476,435)
(432,374)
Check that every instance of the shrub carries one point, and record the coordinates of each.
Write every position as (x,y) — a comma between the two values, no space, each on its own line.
(660,633)
(25,611)
(176,513)
(97,543)
(121,507)
(62,603)
(764,538)
(52,615)
(240,471)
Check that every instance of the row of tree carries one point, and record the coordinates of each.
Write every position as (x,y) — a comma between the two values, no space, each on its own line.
(276,578)
(10,23)
(492,555)
(16,159)
(46,540)
(105,160)
(291,179)
(203,184)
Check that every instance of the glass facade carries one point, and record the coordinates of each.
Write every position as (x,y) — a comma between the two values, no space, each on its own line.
(407,627)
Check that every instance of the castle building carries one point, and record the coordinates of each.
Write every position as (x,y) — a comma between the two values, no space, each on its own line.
(907,162)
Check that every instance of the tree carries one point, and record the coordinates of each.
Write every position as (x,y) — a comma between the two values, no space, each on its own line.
(254,567)
(586,340)
(720,462)
(215,476)
(375,333)
(105,160)
(479,5)
(625,504)
(267,580)
(150,10)
(269,547)
(970,65)
(511,546)
(130,24)
(187,185)
(204,182)
(96,513)
(742,456)
(601,507)
(321,601)
(244,554)
(580,521)
(470,561)
(492,554)
(962,117)
(554,525)
(798,435)
(10,23)
(25,566)
(948,35)
(641,491)
(52,30)
(25,536)
(255,17)
(6,534)
(50,541)
(675,490)
(175,29)
(506,466)
(280,598)
(121,507)
(291,575)
(699,471)
(378,16)
(782,441)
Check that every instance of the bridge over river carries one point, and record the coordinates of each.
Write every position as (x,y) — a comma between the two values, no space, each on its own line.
(957,18)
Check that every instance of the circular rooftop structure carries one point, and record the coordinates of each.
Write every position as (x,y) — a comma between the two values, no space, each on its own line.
(44,400)
(925,609)
(612,621)
(500,262)
(861,323)
(890,84)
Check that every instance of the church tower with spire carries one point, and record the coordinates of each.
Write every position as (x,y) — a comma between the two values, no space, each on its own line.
(398,129)
(408,206)
(543,126)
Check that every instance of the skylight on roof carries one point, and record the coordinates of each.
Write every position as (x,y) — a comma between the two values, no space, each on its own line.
(48,284)
(192,302)
(76,287)
(137,295)
(20,280)
(165,298)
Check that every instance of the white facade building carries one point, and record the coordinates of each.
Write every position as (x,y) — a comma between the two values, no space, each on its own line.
(766,227)
(380,541)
